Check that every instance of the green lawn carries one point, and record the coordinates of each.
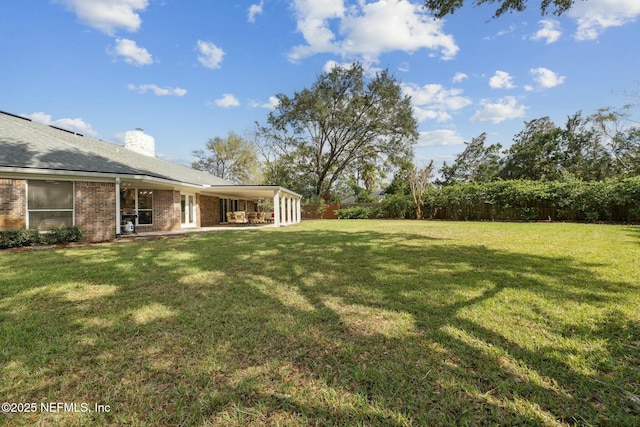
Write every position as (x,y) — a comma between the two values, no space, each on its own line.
(330,323)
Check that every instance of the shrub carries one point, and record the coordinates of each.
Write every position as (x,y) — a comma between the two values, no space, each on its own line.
(63,235)
(356,212)
(573,200)
(396,206)
(18,238)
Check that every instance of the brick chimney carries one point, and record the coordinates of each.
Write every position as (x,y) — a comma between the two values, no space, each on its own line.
(140,142)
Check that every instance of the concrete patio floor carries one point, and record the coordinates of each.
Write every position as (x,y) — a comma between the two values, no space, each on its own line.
(143,235)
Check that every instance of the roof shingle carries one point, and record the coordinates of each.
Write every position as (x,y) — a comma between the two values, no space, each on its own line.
(30,145)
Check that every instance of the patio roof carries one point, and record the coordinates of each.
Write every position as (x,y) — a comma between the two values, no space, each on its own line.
(250,191)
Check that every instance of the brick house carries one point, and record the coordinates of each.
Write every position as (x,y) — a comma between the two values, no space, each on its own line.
(51,177)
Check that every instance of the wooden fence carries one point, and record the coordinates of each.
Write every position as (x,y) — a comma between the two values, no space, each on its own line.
(318,212)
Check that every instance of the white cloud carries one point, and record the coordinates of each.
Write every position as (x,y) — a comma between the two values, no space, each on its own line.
(595,16)
(501,80)
(545,78)
(331,64)
(424,114)
(458,77)
(501,33)
(75,125)
(272,104)
(404,67)
(255,10)
(366,30)
(108,15)
(550,31)
(438,138)
(227,101)
(157,90)
(506,108)
(433,101)
(210,54)
(131,52)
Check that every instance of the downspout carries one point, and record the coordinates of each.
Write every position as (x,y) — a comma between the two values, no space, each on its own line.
(117,208)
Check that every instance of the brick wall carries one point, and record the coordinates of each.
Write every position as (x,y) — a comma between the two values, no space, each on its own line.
(209,209)
(95,210)
(166,211)
(13,203)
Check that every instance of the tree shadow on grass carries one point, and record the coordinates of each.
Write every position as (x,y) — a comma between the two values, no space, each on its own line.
(320,327)
(634,231)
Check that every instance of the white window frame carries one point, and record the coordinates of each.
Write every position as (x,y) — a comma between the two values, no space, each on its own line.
(188,210)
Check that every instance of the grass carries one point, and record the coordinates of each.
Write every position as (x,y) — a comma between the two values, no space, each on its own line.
(330,323)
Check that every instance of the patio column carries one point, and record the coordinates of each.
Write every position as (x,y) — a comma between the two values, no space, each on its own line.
(283,211)
(276,208)
(290,211)
(298,210)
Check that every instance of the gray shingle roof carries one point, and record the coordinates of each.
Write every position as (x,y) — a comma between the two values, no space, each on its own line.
(30,145)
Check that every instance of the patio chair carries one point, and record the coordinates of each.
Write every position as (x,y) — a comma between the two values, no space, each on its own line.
(260,219)
(240,217)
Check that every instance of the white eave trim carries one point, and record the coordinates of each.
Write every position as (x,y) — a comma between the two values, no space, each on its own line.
(28,173)
(25,173)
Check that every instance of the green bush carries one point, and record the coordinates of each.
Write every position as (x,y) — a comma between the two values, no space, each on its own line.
(357,212)
(396,206)
(572,200)
(19,238)
(63,235)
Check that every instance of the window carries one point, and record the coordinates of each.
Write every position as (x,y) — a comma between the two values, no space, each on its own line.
(145,207)
(139,202)
(50,204)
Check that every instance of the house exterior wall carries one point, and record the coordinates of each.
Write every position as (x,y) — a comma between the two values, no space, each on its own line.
(95,207)
(208,210)
(95,210)
(166,211)
(13,204)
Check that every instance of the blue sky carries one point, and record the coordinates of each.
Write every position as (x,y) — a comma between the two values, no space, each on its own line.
(188,71)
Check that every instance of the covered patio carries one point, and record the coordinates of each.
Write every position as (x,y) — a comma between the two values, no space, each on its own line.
(286,203)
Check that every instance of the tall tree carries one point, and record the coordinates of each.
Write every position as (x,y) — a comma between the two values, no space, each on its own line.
(323,131)
(476,163)
(419,181)
(545,152)
(585,156)
(623,144)
(627,152)
(536,153)
(232,158)
(441,8)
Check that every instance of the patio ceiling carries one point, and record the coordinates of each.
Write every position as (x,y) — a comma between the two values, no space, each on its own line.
(250,191)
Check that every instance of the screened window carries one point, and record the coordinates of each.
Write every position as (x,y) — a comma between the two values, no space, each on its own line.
(50,204)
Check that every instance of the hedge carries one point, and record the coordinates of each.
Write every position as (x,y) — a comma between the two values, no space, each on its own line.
(609,200)
(19,238)
(55,236)
(63,235)
(615,200)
